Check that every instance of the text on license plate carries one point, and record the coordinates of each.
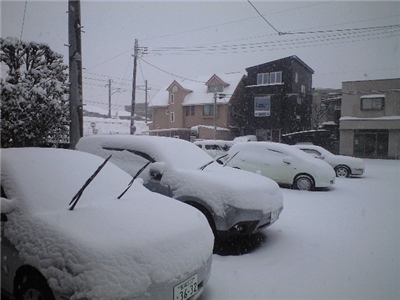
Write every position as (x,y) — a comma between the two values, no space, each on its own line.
(186,289)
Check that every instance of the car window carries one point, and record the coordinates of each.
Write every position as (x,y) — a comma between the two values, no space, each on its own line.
(313,152)
(212,147)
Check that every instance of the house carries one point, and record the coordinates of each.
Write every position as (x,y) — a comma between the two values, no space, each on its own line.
(197,109)
(326,107)
(278,99)
(370,122)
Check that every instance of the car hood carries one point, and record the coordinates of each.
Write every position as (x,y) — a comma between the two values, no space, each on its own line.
(106,248)
(223,186)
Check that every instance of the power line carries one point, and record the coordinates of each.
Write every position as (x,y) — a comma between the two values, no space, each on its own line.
(331,35)
(280,33)
(23,21)
(170,73)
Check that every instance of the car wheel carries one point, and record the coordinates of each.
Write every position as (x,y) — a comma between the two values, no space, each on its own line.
(304,183)
(342,171)
(34,287)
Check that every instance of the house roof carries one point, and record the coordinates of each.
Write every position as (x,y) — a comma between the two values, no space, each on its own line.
(199,95)
(293,57)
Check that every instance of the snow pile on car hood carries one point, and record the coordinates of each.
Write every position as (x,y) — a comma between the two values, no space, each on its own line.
(106,247)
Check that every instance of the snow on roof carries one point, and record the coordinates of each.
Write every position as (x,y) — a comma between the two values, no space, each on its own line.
(386,118)
(199,95)
(102,111)
(373,96)
(106,248)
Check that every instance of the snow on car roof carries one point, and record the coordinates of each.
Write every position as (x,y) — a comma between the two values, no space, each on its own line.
(279,147)
(105,247)
(176,152)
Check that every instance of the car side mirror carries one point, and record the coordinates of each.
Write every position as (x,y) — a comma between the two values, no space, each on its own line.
(157,170)
(287,160)
(155,174)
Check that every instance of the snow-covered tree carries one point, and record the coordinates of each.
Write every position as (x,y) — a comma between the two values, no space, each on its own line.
(34,102)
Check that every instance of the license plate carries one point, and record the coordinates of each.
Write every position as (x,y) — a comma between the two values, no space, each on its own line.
(274,216)
(186,289)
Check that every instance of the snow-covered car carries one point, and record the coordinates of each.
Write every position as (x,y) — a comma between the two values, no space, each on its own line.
(109,245)
(215,148)
(235,202)
(287,165)
(344,166)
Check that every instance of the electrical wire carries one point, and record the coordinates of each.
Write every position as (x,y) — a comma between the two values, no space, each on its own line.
(170,73)
(23,21)
(280,33)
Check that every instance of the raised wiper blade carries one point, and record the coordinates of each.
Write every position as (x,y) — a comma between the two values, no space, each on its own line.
(230,158)
(222,156)
(133,179)
(78,195)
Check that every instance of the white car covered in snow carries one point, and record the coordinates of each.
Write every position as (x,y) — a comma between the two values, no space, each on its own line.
(286,165)
(235,202)
(112,244)
(215,148)
(344,166)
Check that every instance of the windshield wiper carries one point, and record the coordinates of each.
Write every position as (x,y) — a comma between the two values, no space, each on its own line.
(218,160)
(133,179)
(78,195)
(230,158)
(207,164)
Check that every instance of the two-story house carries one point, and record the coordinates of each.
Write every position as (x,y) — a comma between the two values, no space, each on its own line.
(196,109)
(278,99)
(370,122)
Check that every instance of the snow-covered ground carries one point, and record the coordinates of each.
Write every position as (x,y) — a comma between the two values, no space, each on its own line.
(339,244)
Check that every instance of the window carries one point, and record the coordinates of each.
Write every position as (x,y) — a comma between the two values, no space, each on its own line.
(262,106)
(208,110)
(174,89)
(171,97)
(269,78)
(189,110)
(215,88)
(172,117)
(303,89)
(167,112)
(372,102)
(296,77)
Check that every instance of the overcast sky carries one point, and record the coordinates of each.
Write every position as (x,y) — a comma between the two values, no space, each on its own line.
(213,37)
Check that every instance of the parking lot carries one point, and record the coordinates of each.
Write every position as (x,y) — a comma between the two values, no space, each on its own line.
(338,244)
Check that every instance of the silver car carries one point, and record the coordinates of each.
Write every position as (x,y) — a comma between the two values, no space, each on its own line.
(72,229)
(344,166)
(235,202)
(286,165)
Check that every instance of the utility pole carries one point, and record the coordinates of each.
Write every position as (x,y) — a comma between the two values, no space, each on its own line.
(215,115)
(75,72)
(109,98)
(135,55)
(145,102)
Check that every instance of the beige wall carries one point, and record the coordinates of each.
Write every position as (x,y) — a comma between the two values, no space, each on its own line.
(385,119)
(352,92)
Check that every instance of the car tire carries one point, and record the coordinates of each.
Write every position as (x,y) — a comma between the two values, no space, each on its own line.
(304,182)
(342,171)
(33,287)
